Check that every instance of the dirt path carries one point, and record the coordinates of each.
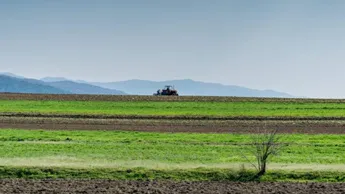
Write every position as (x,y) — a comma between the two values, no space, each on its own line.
(172,129)
(105,186)
(201,126)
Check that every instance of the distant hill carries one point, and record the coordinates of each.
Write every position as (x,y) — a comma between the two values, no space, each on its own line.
(59,79)
(18,85)
(12,75)
(54,79)
(82,88)
(144,87)
(190,87)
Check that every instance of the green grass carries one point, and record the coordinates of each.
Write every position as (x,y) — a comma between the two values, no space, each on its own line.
(163,150)
(176,156)
(200,174)
(176,108)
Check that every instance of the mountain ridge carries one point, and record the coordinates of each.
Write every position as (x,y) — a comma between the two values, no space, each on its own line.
(18,84)
(83,88)
(186,87)
(190,87)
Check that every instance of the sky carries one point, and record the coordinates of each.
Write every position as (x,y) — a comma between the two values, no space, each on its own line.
(293,46)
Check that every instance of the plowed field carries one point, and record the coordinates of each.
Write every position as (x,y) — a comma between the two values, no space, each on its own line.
(78,97)
(105,186)
(169,125)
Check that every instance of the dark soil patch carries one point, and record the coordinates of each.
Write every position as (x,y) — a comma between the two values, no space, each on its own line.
(202,126)
(105,186)
(171,117)
(84,97)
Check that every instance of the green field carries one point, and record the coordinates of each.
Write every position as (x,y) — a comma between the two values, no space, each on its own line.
(160,151)
(293,109)
(180,156)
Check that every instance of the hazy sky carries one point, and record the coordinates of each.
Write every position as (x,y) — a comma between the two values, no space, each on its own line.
(291,46)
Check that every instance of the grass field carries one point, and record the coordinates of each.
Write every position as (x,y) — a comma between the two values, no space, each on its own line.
(130,154)
(110,149)
(109,154)
(263,109)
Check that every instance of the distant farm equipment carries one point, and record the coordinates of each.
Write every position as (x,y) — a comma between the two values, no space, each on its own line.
(167,91)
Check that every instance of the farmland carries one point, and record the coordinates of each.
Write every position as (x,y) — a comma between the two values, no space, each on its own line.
(124,149)
(192,109)
(113,186)
(204,138)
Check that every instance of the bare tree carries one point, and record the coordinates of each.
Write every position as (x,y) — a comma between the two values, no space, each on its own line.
(264,144)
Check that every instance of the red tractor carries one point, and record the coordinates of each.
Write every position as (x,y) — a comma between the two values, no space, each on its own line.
(167,91)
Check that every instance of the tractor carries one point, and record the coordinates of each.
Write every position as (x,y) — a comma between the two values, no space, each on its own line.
(167,91)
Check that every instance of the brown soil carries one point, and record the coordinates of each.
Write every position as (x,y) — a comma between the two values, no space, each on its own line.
(105,186)
(79,97)
(202,126)
(172,117)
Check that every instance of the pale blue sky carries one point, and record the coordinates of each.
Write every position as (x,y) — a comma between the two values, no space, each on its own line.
(293,46)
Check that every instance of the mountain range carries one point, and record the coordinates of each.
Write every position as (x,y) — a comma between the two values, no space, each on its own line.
(190,88)
(17,84)
(59,85)
(22,85)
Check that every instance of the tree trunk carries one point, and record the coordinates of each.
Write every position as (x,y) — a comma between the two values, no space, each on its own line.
(262,169)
